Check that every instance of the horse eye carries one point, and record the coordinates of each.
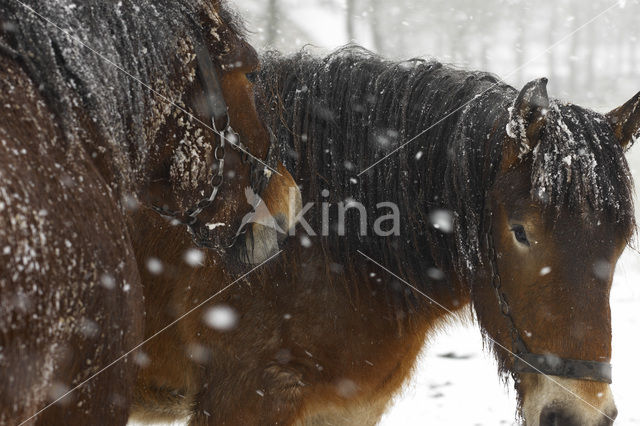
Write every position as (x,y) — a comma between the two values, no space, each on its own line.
(520,234)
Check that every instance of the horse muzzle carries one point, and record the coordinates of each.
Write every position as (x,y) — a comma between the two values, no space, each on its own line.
(561,416)
(558,401)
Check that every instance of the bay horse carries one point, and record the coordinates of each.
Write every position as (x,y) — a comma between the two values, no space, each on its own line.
(536,195)
(537,200)
(107,107)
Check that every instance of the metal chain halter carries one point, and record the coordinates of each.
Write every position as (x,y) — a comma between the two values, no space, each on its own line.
(218,112)
(524,360)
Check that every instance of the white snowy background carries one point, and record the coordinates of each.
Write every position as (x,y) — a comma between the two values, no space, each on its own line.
(455,382)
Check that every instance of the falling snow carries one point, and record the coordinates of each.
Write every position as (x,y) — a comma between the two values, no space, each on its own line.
(221,317)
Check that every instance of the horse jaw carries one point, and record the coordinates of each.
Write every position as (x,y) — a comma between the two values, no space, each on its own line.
(551,400)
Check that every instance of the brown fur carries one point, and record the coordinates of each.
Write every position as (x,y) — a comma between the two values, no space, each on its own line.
(304,351)
(320,340)
(46,347)
(70,288)
(316,344)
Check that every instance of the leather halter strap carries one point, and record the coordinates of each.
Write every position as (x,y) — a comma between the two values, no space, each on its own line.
(595,371)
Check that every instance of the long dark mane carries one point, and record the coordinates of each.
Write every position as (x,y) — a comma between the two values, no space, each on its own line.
(335,116)
(152,41)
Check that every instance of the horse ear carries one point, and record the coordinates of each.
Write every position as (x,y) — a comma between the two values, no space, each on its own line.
(625,121)
(528,114)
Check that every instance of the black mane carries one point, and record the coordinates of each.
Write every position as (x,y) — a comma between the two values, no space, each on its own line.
(335,116)
(151,40)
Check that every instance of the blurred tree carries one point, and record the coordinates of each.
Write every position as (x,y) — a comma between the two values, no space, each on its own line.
(350,17)
(574,45)
(590,50)
(552,34)
(521,29)
(493,35)
(272,22)
(375,24)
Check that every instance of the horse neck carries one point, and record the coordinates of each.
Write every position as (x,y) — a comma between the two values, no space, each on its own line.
(344,113)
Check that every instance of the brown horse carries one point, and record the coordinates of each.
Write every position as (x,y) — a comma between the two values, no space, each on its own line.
(103,105)
(511,204)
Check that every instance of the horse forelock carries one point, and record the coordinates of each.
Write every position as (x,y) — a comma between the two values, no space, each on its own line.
(578,166)
(128,42)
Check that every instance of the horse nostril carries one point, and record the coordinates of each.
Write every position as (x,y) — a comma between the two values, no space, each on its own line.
(608,420)
(553,415)
(557,416)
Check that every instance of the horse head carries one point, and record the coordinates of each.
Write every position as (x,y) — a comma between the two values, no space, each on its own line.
(557,218)
(205,159)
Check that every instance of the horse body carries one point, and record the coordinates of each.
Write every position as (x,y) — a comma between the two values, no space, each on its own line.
(322,336)
(525,183)
(303,349)
(67,297)
(82,141)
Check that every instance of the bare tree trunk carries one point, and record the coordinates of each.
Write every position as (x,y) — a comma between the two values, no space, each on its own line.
(483,52)
(574,48)
(618,48)
(592,49)
(350,17)
(633,56)
(462,57)
(520,49)
(375,22)
(551,39)
(272,22)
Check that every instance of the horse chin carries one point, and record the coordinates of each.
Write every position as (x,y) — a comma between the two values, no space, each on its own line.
(551,401)
(258,244)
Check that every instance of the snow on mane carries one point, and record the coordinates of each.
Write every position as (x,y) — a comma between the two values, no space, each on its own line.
(578,163)
(97,60)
